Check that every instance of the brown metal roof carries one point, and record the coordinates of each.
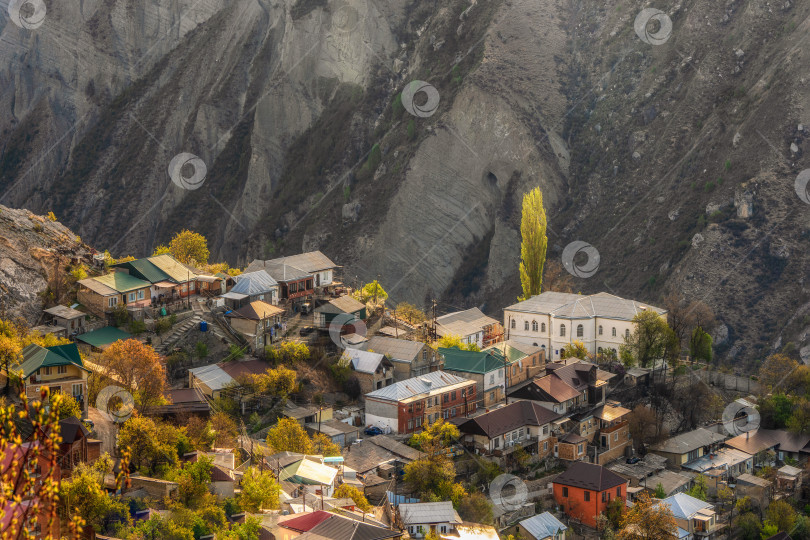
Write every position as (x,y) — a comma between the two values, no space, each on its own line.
(509,418)
(589,476)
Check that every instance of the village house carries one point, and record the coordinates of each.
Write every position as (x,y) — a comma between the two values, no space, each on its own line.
(323,525)
(58,368)
(99,340)
(472,326)
(650,471)
(781,443)
(307,414)
(419,519)
(521,424)
(694,516)
(410,358)
(376,460)
(688,446)
(72,320)
(585,490)
(373,370)
(76,446)
(340,433)
(405,406)
(485,368)
(570,446)
(103,294)
(613,437)
(169,279)
(789,478)
(319,267)
(295,286)
(568,385)
(345,305)
(525,361)
(252,287)
(723,464)
(215,379)
(552,320)
(258,321)
(311,475)
(542,527)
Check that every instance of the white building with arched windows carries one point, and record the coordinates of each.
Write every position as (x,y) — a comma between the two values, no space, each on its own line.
(552,320)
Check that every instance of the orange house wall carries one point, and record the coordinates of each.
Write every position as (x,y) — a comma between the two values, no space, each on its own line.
(584,511)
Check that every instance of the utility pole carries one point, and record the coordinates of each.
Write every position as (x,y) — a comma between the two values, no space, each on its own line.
(433,331)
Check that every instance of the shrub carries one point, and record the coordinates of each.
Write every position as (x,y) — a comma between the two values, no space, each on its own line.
(162,325)
(137,327)
(201,349)
(709,186)
(51,216)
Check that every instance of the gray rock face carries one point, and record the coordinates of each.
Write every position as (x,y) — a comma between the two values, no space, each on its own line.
(351,211)
(720,335)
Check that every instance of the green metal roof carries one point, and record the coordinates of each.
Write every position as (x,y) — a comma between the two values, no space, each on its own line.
(122,282)
(499,350)
(36,357)
(103,336)
(470,361)
(145,269)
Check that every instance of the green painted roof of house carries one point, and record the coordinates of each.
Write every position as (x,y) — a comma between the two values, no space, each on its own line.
(36,357)
(499,350)
(103,336)
(122,282)
(146,269)
(470,361)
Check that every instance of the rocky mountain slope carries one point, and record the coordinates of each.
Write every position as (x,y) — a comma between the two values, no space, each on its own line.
(673,149)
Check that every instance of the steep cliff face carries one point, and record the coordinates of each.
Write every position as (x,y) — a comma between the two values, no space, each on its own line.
(642,138)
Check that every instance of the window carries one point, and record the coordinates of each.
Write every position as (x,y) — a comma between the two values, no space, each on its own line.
(191,286)
(534,360)
(492,396)
(453,395)
(580,330)
(565,491)
(410,423)
(463,392)
(410,407)
(562,330)
(514,370)
(525,325)
(627,333)
(616,436)
(47,370)
(132,296)
(61,370)
(605,496)
(513,324)
(492,379)
(445,398)
(614,331)
(579,448)
(112,301)
(545,446)
(454,411)
(446,414)
(534,326)
(545,430)
(587,496)
(418,421)
(543,327)
(619,491)
(600,329)
(604,441)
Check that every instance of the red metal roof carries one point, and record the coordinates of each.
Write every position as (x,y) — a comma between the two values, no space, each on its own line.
(305,522)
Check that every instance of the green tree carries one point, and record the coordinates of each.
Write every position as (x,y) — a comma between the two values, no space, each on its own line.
(652,339)
(288,435)
(699,489)
(780,514)
(201,349)
(372,292)
(533,243)
(476,508)
(249,530)
(435,437)
(347,491)
(260,491)
(83,495)
(189,247)
(700,345)
(193,481)
(149,444)
(660,492)
(323,445)
(747,526)
(768,530)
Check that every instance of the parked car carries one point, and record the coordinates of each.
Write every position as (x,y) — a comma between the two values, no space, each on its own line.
(373,430)
(305,331)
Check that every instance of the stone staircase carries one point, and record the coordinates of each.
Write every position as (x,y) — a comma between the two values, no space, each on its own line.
(180,330)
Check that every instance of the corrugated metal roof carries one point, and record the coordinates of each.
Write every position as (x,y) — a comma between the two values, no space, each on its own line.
(64,312)
(256,311)
(306,471)
(417,385)
(428,513)
(253,283)
(213,376)
(362,361)
(173,268)
(398,350)
(589,476)
(470,361)
(312,261)
(35,357)
(543,526)
(119,281)
(285,272)
(685,506)
(145,268)
(509,418)
(463,323)
(344,304)
(575,306)
(691,440)
(103,336)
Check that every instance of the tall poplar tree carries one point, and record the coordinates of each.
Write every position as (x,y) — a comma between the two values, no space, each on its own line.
(533,244)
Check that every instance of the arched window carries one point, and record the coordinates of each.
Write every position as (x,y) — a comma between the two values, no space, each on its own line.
(614,331)
(513,324)
(580,330)
(543,347)
(600,329)
(534,326)
(526,325)
(627,333)
(543,327)
(562,330)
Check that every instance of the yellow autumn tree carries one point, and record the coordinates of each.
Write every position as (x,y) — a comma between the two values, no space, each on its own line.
(189,247)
